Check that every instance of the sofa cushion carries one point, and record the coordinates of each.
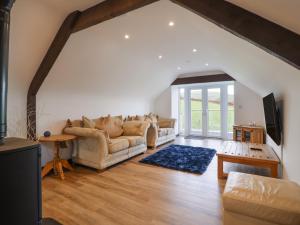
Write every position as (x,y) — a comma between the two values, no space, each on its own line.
(88,123)
(130,118)
(166,123)
(140,118)
(117,145)
(113,125)
(134,128)
(162,132)
(269,199)
(74,123)
(133,140)
(170,131)
(135,118)
(152,118)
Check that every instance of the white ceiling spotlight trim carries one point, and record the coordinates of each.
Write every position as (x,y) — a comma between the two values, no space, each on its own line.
(171,23)
(127,36)
(195,50)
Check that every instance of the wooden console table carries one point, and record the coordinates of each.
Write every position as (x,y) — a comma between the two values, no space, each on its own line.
(57,163)
(241,152)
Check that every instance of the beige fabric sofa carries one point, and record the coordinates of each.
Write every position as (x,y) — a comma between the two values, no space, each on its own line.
(106,141)
(251,199)
(161,130)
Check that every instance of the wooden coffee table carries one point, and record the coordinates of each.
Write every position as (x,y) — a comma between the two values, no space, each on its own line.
(241,152)
(57,164)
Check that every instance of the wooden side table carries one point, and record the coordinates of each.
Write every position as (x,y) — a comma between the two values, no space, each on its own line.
(57,164)
(252,134)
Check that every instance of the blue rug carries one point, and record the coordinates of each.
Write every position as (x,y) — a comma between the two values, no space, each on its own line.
(181,157)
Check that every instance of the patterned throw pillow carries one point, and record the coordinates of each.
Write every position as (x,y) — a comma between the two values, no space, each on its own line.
(106,135)
(151,117)
(134,128)
(140,118)
(88,123)
(74,123)
(113,125)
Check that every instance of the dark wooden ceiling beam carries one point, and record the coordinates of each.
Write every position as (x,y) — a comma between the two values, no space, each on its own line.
(107,10)
(263,33)
(203,79)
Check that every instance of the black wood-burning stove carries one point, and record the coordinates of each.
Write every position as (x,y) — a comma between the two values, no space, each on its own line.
(20,173)
(20,187)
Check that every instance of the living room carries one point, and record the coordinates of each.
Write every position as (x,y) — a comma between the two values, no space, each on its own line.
(183,79)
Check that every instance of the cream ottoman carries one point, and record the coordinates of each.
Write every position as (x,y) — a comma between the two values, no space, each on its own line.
(256,200)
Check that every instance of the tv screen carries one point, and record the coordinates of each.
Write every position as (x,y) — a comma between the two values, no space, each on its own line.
(272,118)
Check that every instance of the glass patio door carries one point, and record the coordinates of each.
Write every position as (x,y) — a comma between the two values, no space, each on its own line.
(213,115)
(196,112)
(205,112)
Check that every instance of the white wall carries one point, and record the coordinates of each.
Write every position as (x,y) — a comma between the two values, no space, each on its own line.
(163,103)
(248,106)
(33,26)
(166,105)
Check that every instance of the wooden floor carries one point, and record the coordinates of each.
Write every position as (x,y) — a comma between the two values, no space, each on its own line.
(132,193)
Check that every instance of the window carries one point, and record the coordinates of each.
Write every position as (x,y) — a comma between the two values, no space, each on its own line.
(214,111)
(230,108)
(207,110)
(196,110)
(181,111)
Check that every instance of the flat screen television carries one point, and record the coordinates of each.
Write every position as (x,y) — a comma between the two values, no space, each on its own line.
(272,118)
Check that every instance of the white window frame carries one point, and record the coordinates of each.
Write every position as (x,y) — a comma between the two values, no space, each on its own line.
(224,134)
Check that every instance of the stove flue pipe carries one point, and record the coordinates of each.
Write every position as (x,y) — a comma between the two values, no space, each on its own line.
(5,7)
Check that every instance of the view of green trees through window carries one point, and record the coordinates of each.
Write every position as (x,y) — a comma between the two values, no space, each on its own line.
(181,110)
(214,109)
(196,110)
(230,114)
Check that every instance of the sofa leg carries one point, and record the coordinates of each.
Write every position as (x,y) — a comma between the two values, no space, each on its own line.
(100,170)
(151,147)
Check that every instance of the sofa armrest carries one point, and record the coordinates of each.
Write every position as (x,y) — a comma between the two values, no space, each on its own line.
(166,123)
(152,135)
(146,126)
(86,134)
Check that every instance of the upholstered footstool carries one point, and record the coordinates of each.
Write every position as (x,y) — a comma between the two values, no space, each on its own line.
(256,200)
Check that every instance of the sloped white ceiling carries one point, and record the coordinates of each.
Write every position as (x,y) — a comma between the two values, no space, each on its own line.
(101,52)
(100,62)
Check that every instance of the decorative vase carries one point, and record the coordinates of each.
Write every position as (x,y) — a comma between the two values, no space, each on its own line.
(47,133)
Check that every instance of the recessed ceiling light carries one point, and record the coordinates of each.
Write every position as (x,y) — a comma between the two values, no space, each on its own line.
(206,64)
(171,24)
(160,56)
(126,36)
(195,50)
(178,68)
